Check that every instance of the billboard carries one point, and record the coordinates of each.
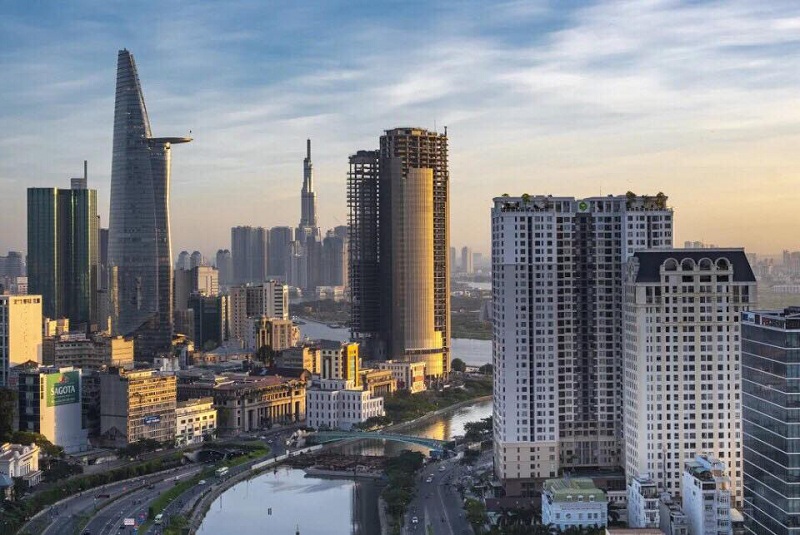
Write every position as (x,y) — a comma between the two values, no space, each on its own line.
(63,388)
(152,420)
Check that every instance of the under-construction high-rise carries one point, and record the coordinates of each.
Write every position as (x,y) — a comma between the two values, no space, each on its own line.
(398,248)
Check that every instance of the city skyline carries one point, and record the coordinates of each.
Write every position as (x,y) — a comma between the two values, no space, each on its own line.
(564,100)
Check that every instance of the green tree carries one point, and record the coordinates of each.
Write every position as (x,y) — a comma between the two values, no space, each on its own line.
(458,365)
(486,369)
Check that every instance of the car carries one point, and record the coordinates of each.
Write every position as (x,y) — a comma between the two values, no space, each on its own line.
(159,519)
(442,468)
(269,441)
(150,486)
(262,437)
(429,480)
(201,482)
(414,520)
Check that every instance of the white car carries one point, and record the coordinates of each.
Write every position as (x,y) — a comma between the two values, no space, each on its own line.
(414,520)
(442,468)
(201,482)
(429,480)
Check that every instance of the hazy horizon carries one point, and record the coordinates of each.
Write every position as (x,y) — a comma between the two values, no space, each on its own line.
(694,99)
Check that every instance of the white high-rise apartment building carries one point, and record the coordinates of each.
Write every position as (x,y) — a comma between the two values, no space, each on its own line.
(682,392)
(270,299)
(557,288)
(20,332)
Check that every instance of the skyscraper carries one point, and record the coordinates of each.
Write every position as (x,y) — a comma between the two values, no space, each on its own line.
(140,251)
(249,247)
(224,263)
(770,420)
(63,251)
(399,248)
(466,260)
(308,227)
(557,296)
(183,260)
(334,259)
(682,372)
(280,239)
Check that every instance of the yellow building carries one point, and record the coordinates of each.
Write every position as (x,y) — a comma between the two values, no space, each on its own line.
(195,421)
(136,405)
(21,329)
(274,333)
(340,360)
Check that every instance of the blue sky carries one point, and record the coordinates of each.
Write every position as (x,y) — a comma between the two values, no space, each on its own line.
(695,99)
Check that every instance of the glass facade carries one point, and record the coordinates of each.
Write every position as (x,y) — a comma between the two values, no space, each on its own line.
(771,421)
(63,252)
(139,233)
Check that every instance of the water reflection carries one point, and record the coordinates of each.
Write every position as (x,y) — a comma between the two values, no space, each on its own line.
(279,502)
(473,352)
(319,506)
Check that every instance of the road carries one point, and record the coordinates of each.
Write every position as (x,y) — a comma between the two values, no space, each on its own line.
(437,505)
(110,520)
(275,439)
(64,518)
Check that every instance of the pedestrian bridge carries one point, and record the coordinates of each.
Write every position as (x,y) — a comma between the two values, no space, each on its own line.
(332,436)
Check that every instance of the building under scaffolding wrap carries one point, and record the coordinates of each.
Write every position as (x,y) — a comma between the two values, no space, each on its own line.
(399,225)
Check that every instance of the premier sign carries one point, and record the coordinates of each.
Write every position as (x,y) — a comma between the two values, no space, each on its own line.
(63,388)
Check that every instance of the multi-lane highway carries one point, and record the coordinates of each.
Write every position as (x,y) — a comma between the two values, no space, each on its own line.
(132,497)
(437,508)
(110,520)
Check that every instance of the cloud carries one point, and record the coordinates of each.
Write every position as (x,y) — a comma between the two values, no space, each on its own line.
(537,97)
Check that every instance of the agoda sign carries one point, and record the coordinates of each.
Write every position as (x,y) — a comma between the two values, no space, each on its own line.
(63,388)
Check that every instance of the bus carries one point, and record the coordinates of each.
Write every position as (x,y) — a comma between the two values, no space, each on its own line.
(222,471)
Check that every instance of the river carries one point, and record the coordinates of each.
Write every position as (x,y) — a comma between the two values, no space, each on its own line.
(282,501)
(472,352)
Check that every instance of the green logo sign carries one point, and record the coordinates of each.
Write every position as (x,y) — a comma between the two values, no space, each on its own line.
(583,206)
(63,388)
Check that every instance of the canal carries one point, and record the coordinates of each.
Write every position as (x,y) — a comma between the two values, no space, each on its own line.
(282,501)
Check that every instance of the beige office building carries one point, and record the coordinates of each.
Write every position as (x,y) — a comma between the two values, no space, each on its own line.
(20,332)
(301,358)
(274,333)
(270,299)
(136,405)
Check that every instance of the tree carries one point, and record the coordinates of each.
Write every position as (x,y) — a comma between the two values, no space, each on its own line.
(486,369)
(458,365)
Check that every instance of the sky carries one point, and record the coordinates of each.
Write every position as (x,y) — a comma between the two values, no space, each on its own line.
(700,100)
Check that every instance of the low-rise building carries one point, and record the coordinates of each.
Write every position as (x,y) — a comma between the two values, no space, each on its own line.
(301,358)
(707,496)
(340,404)
(673,520)
(409,375)
(378,382)
(573,503)
(643,503)
(21,460)
(195,421)
(137,405)
(247,403)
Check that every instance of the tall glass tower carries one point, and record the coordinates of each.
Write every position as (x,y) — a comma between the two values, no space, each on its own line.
(139,252)
(63,251)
